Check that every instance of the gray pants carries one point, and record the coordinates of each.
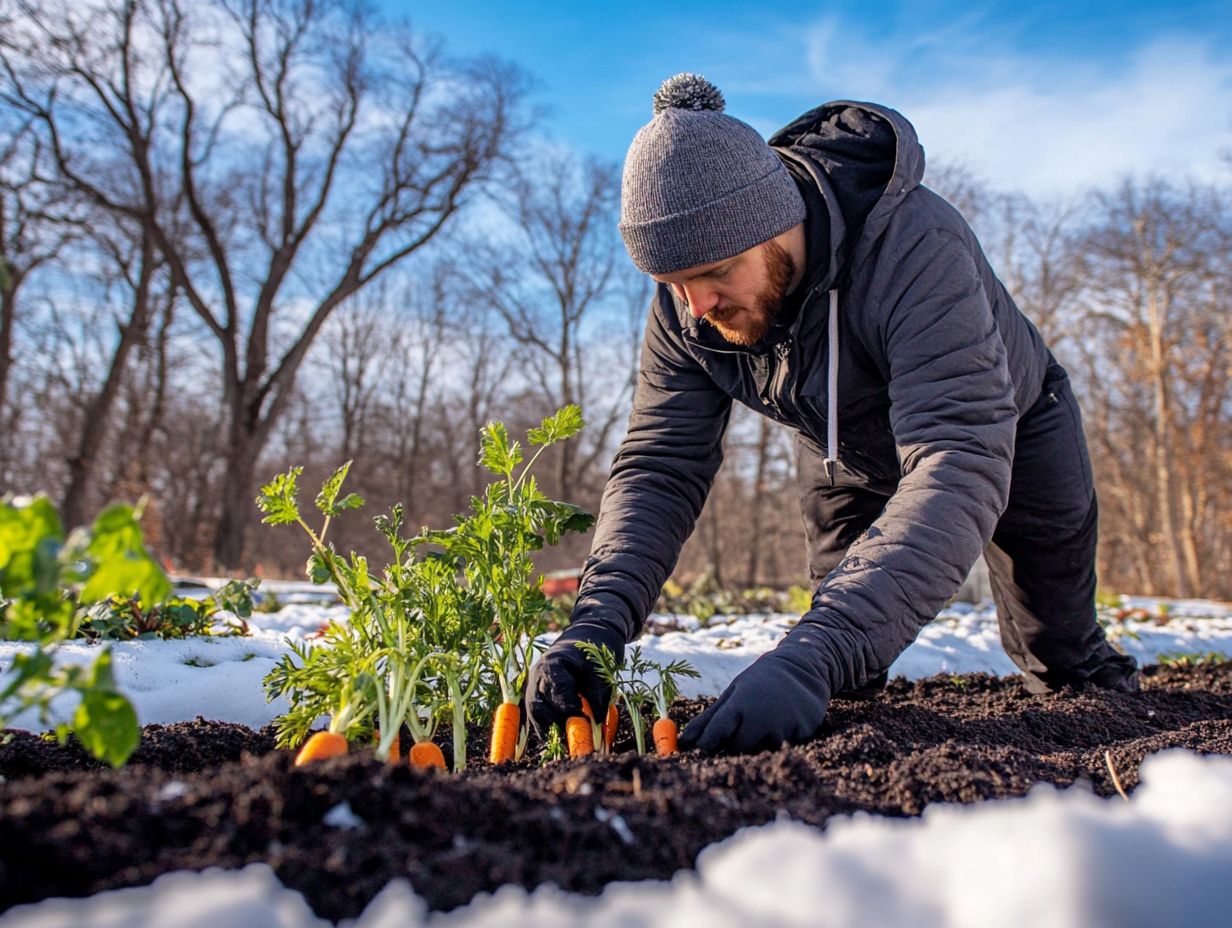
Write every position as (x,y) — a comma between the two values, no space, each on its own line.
(1041,559)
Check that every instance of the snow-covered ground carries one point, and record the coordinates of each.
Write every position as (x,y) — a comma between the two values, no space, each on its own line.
(220,678)
(1054,858)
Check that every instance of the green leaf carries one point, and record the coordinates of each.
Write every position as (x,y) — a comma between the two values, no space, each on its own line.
(495,451)
(327,500)
(106,725)
(565,423)
(565,517)
(391,525)
(25,668)
(122,565)
(101,675)
(33,572)
(236,596)
(278,498)
(318,568)
(31,543)
(350,501)
(27,527)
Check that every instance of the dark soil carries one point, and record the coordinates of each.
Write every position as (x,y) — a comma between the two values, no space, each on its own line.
(204,794)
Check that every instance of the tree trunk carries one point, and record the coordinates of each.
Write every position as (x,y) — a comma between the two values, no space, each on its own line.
(238,491)
(1165,481)
(83,465)
(8,306)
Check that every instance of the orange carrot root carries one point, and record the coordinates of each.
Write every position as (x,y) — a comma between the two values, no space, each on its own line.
(609,728)
(426,754)
(395,750)
(579,736)
(320,746)
(504,733)
(664,737)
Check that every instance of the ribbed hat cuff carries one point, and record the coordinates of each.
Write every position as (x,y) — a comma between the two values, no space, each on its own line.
(747,217)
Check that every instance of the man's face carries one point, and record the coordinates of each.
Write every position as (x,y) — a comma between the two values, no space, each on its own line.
(740,296)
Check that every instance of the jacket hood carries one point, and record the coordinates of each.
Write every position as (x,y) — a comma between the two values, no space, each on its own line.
(854,162)
(864,159)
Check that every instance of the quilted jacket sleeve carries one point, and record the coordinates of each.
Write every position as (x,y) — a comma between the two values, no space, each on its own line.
(660,478)
(954,420)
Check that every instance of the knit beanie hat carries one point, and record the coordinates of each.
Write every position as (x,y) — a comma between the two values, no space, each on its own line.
(699,185)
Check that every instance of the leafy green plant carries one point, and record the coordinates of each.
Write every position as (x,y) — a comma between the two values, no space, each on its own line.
(553,746)
(47,583)
(1187,659)
(490,553)
(1108,600)
(267,603)
(123,617)
(337,677)
(619,689)
(799,600)
(666,688)
(631,684)
(705,598)
(455,614)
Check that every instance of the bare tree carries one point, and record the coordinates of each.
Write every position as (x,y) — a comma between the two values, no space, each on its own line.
(36,223)
(136,265)
(386,359)
(1157,330)
(963,188)
(483,363)
(276,182)
(355,348)
(550,281)
(1038,261)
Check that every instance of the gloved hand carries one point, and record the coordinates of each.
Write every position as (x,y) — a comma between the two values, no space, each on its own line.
(563,674)
(782,696)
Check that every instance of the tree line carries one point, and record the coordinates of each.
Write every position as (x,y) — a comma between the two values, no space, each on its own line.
(240,235)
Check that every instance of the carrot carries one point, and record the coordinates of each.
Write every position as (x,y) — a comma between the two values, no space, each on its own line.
(426,754)
(504,733)
(586,710)
(609,728)
(664,737)
(395,752)
(579,735)
(321,745)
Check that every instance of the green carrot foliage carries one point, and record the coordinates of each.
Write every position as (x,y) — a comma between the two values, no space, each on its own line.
(455,613)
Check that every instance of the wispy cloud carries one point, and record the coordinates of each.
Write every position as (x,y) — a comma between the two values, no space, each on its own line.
(1045,123)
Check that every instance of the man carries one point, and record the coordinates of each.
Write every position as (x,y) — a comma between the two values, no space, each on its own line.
(814,279)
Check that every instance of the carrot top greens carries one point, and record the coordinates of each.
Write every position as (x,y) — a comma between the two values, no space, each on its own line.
(447,629)
(632,685)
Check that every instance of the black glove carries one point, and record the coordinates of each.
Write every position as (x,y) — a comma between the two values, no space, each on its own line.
(781,697)
(563,674)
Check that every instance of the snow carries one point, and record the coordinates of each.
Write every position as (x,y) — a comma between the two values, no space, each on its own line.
(220,678)
(1059,858)
(1056,857)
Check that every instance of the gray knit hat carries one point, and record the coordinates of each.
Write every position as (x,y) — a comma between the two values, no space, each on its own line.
(699,185)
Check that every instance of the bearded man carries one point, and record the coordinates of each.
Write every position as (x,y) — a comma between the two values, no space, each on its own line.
(815,280)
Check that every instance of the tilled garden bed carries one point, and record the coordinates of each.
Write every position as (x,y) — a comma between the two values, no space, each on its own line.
(209,794)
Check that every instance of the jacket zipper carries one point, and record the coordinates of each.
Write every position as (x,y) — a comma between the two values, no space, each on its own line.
(774,392)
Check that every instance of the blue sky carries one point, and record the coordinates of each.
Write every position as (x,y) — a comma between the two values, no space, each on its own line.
(1049,98)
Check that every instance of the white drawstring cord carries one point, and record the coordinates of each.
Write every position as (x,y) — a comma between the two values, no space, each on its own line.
(832,391)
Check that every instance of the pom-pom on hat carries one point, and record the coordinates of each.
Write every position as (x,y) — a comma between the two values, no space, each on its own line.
(699,185)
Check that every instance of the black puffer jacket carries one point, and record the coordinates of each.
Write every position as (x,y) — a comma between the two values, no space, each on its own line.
(934,365)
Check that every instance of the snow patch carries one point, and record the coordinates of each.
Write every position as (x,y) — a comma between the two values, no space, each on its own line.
(1056,857)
